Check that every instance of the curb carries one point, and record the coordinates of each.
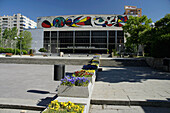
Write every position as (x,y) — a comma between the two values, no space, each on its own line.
(155,103)
(24,107)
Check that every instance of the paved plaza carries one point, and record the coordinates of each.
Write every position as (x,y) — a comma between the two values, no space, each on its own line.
(27,84)
(33,85)
(132,84)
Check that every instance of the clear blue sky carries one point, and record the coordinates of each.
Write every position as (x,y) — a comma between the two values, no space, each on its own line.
(154,9)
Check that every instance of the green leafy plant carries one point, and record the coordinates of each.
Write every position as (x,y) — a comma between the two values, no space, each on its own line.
(42,50)
(24,52)
(8,50)
(2,50)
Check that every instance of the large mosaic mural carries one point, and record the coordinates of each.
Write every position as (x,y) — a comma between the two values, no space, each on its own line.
(82,21)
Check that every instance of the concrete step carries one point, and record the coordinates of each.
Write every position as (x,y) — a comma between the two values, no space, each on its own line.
(156,103)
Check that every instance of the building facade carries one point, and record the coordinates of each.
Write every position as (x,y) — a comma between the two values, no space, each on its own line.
(82,33)
(133,10)
(17,20)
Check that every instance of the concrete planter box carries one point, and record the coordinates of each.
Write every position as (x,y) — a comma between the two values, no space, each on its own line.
(74,91)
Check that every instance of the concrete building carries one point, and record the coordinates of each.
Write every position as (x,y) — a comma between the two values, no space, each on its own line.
(82,33)
(37,39)
(133,10)
(17,20)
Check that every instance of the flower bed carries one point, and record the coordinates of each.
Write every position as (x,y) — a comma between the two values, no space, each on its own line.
(83,73)
(89,67)
(74,81)
(74,87)
(8,54)
(89,74)
(64,107)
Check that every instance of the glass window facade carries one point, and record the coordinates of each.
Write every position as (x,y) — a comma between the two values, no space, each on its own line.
(82,41)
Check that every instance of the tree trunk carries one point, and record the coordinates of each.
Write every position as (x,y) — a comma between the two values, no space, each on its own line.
(143,51)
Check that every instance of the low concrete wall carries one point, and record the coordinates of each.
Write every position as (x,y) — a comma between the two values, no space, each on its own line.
(73,61)
(159,63)
(124,62)
(44,61)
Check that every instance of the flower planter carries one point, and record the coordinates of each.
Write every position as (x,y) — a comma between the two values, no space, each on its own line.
(56,107)
(74,91)
(45,111)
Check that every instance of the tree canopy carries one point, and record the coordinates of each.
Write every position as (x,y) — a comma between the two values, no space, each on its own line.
(135,26)
(26,38)
(161,38)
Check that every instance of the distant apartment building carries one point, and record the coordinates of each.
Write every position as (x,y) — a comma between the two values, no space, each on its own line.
(133,10)
(17,20)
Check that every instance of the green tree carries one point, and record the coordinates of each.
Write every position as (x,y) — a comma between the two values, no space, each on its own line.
(135,29)
(8,36)
(161,38)
(26,40)
(14,32)
(0,38)
(5,34)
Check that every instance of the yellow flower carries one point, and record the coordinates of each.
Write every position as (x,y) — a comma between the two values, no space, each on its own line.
(72,105)
(62,103)
(76,109)
(52,102)
(69,102)
(69,107)
(49,106)
(65,104)
(52,108)
(56,101)
(56,108)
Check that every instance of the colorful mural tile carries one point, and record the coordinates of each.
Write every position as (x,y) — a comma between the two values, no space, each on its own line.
(82,21)
(121,21)
(71,22)
(46,24)
(59,22)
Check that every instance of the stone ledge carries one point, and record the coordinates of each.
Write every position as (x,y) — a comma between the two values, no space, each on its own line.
(131,103)
(9,106)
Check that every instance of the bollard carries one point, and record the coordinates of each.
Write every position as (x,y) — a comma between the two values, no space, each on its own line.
(59,72)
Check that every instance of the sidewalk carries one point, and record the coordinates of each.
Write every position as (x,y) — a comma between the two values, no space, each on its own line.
(132,86)
(29,85)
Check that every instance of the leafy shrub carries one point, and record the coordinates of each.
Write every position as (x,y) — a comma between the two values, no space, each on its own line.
(8,50)
(24,52)
(17,51)
(2,50)
(160,47)
(42,50)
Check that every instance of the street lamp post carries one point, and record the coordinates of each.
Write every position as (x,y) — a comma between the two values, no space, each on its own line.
(35,46)
(120,50)
(20,44)
(15,44)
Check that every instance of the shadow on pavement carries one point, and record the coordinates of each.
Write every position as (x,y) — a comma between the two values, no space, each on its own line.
(38,91)
(44,102)
(130,74)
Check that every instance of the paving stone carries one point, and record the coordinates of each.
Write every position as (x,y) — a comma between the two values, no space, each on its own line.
(134,83)
(29,84)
